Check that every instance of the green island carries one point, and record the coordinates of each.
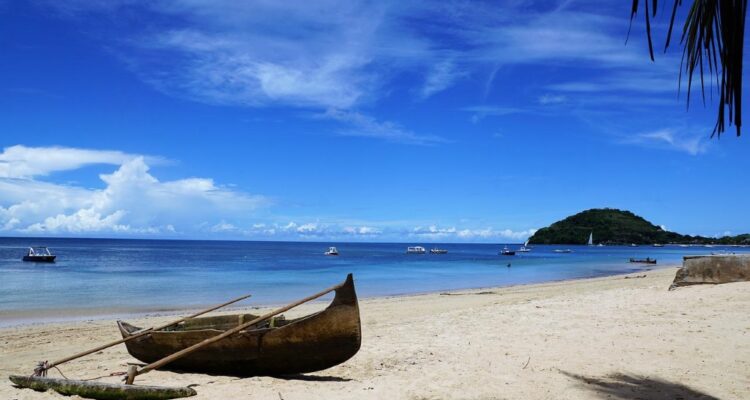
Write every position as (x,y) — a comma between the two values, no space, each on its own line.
(611,226)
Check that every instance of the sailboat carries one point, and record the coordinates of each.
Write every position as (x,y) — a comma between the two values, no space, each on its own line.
(591,239)
(525,248)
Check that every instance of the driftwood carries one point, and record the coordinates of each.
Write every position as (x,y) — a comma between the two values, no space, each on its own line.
(100,390)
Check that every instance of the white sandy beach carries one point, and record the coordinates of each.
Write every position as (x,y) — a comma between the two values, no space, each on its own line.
(621,337)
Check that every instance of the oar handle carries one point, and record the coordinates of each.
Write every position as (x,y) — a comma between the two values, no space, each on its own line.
(168,359)
(142,332)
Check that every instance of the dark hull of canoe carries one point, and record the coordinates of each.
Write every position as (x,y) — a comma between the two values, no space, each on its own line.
(312,343)
(48,259)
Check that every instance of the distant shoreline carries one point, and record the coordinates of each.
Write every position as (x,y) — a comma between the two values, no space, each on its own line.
(40,317)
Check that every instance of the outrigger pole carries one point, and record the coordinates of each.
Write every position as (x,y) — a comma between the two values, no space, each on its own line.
(43,367)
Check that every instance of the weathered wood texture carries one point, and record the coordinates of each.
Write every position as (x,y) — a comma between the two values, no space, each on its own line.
(102,391)
(311,343)
(712,269)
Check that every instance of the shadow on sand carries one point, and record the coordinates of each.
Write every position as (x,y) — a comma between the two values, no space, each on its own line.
(633,387)
(312,378)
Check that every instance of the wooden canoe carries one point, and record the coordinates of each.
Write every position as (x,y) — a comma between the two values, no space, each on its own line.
(100,390)
(276,347)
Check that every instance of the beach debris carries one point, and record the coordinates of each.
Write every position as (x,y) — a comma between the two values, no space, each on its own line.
(714,269)
(527,363)
(635,277)
(100,390)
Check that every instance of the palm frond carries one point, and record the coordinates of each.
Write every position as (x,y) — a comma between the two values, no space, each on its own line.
(712,41)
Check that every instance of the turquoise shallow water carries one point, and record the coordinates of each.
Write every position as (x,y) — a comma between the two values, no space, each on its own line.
(105,277)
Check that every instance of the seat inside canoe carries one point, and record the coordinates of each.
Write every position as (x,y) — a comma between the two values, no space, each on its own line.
(219,322)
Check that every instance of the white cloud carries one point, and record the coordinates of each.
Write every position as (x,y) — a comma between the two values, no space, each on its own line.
(362,230)
(453,233)
(132,200)
(552,99)
(671,139)
(481,112)
(441,76)
(366,126)
(27,162)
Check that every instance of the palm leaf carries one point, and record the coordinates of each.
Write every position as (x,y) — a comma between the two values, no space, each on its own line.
(712,42)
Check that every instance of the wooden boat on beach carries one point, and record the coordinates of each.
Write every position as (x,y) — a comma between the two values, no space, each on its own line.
(276,346)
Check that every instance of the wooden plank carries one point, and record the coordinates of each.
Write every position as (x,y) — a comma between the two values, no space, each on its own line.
(100,390)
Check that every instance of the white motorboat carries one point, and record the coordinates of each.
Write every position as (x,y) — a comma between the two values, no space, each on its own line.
(415,250)
(332,251)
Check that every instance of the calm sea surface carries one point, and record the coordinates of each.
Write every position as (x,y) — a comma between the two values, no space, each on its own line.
(112,277)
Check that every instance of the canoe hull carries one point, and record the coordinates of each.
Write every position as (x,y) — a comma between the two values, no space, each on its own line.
(312,343)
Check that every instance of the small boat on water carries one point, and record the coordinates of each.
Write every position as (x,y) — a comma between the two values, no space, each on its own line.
(276,346)
(658,245)
(525,248)
(415,250)
(633,245)
(646,260)
(591,239)
(507,252)
(438,251)
(563,251)
(332,252)
(39,254)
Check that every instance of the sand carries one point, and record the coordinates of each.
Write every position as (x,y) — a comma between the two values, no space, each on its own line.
(620,337)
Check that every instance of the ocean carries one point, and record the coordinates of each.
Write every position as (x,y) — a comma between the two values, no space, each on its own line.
(114,277)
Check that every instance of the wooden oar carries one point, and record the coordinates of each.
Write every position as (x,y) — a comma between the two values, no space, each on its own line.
(133,371)
(137,335)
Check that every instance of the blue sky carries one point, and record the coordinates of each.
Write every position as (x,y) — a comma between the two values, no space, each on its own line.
(346,120)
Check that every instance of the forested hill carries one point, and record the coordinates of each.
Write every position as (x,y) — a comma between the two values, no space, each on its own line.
(612,226)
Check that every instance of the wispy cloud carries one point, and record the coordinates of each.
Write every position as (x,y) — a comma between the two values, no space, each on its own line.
(366,126)
(440,77)
(671,139)
(548,99)
(27,162)
(478,113)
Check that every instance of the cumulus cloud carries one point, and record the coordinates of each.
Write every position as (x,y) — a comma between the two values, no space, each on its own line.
(435,232)
(132,200)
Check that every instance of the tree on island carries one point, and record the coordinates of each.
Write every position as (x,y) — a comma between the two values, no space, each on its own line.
(713,39)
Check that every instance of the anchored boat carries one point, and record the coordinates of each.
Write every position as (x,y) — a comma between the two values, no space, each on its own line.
(39,254)
(646,260)
(415,250)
